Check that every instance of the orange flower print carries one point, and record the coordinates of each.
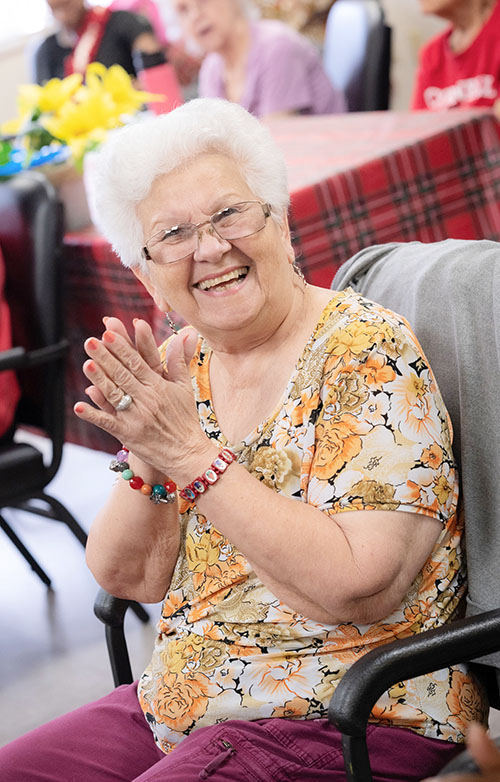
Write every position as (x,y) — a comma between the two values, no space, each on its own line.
(432,456)
(356,338)
(442,489)
(181,701)
(464,699)
(338,441)
(308,403)
(296,707)
(376,372)
(275,681)
(413,411)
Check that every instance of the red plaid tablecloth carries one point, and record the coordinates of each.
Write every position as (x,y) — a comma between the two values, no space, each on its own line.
(355,179)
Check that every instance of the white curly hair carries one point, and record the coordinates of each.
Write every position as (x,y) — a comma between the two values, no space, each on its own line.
(133,156)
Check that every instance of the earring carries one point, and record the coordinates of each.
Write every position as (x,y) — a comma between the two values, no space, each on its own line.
(171,323)
(299,272)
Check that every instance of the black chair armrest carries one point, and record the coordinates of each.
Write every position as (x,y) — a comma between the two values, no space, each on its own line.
(111,611)
(363,684)
(19,358)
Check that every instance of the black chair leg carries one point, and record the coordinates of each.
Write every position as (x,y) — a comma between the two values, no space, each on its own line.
(26,554)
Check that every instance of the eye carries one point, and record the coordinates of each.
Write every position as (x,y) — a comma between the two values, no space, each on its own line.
(227,215)
(177,233)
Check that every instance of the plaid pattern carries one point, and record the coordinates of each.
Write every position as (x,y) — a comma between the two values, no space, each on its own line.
(360,179)
(440,179)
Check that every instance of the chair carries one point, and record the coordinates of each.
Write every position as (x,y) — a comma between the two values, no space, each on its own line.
(357,53)
(448,291)
(462,280)
(31,232)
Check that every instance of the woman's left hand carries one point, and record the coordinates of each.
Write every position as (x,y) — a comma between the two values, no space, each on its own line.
(161,425)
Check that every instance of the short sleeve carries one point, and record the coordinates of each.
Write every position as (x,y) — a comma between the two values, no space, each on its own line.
(382,437)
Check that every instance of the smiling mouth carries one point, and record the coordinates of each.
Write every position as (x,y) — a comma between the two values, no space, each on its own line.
(225,281)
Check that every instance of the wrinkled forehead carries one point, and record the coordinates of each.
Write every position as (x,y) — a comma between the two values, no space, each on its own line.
(195,189)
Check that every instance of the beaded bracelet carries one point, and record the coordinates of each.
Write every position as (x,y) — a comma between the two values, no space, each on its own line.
(158,493)
(209,477)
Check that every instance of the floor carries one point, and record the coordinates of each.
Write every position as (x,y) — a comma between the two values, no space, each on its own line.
(52,651)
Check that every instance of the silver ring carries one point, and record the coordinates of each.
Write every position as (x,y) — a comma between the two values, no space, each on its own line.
(124,402)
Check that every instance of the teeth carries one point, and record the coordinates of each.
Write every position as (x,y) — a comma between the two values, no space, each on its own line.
(207,284)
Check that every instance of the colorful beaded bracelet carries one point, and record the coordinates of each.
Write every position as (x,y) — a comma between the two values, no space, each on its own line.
(209,477)
(160,492)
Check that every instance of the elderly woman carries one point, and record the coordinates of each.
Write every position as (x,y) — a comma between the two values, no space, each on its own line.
(316,509)
(461,66)
(264,65)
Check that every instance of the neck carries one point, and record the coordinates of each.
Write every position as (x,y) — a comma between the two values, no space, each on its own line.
(235,49)
(246,343)
(468,18)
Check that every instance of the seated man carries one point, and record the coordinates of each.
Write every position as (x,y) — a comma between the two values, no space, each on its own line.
(88,35)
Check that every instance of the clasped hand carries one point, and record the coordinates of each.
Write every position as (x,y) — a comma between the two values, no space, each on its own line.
(161,425)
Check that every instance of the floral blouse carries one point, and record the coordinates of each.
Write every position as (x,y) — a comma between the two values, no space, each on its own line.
(361,426)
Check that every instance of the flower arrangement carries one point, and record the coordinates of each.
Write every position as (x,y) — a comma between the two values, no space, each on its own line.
(66,118)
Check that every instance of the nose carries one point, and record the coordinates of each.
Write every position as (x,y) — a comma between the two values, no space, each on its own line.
(210,246)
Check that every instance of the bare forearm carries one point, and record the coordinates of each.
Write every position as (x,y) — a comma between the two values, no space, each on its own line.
(133,543)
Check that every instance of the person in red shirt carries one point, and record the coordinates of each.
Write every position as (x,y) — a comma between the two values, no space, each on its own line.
(461,66)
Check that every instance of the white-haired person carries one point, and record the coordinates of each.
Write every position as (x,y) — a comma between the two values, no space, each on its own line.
(263,64)
(285,485)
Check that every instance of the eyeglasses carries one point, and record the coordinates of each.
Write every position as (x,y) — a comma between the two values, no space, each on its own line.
(233,222)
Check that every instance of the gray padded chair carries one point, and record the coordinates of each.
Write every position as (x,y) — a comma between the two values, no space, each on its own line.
(357,53)
(449,292)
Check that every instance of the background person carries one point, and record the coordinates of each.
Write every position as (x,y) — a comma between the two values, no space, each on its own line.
(318,514)
(460,67)
(91,34)
(264,65)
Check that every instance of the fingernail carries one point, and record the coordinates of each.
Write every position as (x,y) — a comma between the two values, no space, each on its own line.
(105,318)
(87,390)
(78,408)
(108,336)
(92,343)
(90,366)
(135,320)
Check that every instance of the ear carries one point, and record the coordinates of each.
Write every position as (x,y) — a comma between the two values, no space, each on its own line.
(284,230)
(151,288)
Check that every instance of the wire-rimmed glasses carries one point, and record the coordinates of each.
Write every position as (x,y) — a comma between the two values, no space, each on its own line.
(233,222)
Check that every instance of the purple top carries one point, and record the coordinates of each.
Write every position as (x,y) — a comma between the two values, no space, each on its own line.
(284,74)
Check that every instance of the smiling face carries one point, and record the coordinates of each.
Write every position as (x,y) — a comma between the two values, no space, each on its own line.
(210,23)
(244,286)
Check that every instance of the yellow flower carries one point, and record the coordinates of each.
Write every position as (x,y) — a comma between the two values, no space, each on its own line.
(77,113)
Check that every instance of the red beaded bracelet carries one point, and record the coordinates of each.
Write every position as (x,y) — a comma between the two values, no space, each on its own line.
(209,477)
(160,492)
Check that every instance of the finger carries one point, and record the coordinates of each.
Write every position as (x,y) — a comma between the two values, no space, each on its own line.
(190,339)
(121,363)
(118,327)
(482,748)
(109,423)
(176,362)
(99,399)
(146,345)
(107,389)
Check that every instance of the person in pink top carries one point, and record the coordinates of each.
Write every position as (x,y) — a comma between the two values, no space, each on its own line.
(461,66)
(264,65)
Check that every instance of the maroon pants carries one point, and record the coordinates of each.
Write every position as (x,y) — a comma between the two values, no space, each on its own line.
(110,741)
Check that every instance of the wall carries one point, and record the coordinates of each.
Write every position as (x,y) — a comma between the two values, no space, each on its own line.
(410,29)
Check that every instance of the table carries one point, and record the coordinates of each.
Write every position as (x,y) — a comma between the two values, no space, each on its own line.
(355,180)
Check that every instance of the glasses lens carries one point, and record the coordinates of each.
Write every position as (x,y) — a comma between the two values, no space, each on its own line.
(233,222)
(239,220)
(173,243)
